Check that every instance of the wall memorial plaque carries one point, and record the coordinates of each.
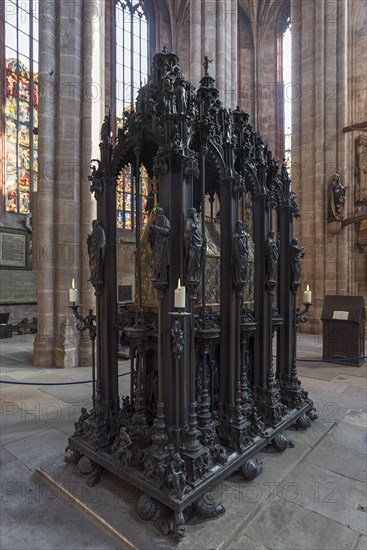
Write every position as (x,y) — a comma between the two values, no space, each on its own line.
(12,249)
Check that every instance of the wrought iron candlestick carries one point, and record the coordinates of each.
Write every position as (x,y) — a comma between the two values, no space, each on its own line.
(301,314)
(88,323)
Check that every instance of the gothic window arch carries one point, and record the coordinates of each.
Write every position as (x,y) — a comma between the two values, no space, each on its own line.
(21,104)
(286,91)
(131,54)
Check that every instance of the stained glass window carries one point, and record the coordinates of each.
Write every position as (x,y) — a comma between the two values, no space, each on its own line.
(21,104)
(287,94)
(126,197)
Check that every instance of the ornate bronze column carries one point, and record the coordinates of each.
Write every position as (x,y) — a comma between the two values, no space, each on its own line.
(100,426)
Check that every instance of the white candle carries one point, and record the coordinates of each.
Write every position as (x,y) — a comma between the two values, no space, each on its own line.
(180,295)
(307,295)
(73,293)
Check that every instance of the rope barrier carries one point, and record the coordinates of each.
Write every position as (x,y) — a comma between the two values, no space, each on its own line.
(338,360)
(52,383)
(316,360)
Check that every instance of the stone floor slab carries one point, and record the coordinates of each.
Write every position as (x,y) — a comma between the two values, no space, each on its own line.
(64,419)
(312,435)
(321,371)
(331,495)
(359,381)
(13,473)
(24,517)
(71,393)
(289,526)
(17,424)
(241,499)
(348,435)
(297,479)
(5,456)
(354,390)
(342,460)
(244,542)
(332,407)
(356,418)
(32,400)
(315,371)
(362,543)
(33,450)
(112,500)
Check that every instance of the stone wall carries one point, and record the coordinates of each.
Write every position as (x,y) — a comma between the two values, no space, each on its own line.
(18,294)
(260,28)
(329,49)
(246,73)
(322,43)
(19,311)
(17,286)
(71,110)
(213,32)
(357,112)
(329,73)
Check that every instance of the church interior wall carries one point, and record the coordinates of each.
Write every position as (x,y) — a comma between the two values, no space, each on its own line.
(246,78)
(160,25)
(357,107)
(329,78)
(180,24)
(17,286)
(259,77)
(320,150)
(266,85)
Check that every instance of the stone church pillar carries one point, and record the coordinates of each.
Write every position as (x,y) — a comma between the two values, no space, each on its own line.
(228,53)
(209,34)
(220,48)
(318,144)
(93,114)
(71,34)
(231,54)
(234,54)
(69,93)
(44,229)
(195,42)
(213,32)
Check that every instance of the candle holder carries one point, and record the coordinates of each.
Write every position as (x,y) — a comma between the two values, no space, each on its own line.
(301,314)
(180,296)
(87,323)
(178,344)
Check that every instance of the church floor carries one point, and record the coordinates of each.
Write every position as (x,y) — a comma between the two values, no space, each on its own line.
(308,497)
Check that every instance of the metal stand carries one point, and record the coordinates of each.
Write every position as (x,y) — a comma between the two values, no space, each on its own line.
(88,323)
(301,314)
